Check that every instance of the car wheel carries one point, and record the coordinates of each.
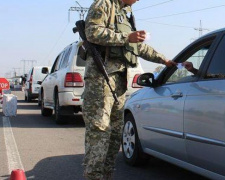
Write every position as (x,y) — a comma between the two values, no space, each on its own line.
(58,116)
(39,103)
(131,147)
(45,111)
(28,97)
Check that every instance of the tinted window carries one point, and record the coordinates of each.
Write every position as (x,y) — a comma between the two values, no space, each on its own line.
(65,60)
(81,57)
(217,65)
(55,66)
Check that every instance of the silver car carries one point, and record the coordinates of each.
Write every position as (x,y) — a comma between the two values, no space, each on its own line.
(179,116)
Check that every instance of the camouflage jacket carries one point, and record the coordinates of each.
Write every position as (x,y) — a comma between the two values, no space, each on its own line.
(97,32)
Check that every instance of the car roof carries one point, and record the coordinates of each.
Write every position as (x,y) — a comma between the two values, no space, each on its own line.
(40,67)
(76,42)
(214,32)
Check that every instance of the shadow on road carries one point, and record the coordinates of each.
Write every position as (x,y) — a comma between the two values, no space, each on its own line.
(57,168)
(39,121)
(70,167)
(155,169)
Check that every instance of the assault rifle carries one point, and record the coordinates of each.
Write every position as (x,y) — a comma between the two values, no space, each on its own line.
(80,27)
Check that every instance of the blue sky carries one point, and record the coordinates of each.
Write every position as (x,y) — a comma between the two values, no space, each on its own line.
(39,30)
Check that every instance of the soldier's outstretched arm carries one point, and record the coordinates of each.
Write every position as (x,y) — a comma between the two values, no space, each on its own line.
(148,53)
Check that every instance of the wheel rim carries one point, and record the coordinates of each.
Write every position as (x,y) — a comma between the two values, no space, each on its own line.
(128,139)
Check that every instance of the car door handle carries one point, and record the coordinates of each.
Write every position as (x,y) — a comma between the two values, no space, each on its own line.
(138,106)
(177,95)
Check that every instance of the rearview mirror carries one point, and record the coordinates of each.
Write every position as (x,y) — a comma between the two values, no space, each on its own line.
(75,30)
(39,82)
(146,79)
(44,70)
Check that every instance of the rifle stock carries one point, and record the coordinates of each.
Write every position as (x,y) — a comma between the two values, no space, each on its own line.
(80,25)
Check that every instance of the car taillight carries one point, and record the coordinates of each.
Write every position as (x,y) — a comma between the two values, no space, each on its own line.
(134,83)
(73,80)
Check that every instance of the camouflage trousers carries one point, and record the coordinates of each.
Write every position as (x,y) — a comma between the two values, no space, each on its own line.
(104,123)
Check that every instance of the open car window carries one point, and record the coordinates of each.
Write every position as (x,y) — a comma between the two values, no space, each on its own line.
(197,54)
(182,74)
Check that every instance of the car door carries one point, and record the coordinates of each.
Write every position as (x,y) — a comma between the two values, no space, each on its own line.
(49,81)
(62,70)
(162,107)
(204,116)
(54,77)
(162,119)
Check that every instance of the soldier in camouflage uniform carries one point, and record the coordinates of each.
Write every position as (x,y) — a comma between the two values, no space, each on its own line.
(102,116)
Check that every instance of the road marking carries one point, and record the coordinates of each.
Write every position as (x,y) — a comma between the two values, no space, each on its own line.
(14,161)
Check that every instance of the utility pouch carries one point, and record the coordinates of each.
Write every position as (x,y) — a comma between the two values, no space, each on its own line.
(130,53)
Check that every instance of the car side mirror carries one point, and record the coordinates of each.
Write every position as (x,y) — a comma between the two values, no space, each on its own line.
(39,82)
(44,70)
(146,79)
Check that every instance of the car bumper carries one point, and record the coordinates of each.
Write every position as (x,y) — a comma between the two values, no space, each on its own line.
(68,99)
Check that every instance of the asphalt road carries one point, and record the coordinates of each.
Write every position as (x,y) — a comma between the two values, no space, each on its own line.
(48,151)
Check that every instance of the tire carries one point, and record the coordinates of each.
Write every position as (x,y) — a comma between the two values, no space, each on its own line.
(28,97)
(39,103)
(131,146)
(39,99)
(45,111)
(58,117)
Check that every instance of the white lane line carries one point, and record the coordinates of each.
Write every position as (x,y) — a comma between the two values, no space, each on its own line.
(14,161)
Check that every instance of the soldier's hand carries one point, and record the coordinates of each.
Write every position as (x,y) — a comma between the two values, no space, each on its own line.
(170,63)
(137,36)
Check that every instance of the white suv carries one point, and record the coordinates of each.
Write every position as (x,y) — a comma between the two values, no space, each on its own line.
(32,82)
(61,90)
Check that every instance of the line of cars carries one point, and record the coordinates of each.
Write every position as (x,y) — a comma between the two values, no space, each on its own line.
(33,82)
(59,89)
(15,82)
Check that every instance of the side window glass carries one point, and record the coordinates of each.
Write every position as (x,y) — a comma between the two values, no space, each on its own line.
(217,66)
(182,74)
(58,62)
(81,57)
(53,66)
(65,59)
